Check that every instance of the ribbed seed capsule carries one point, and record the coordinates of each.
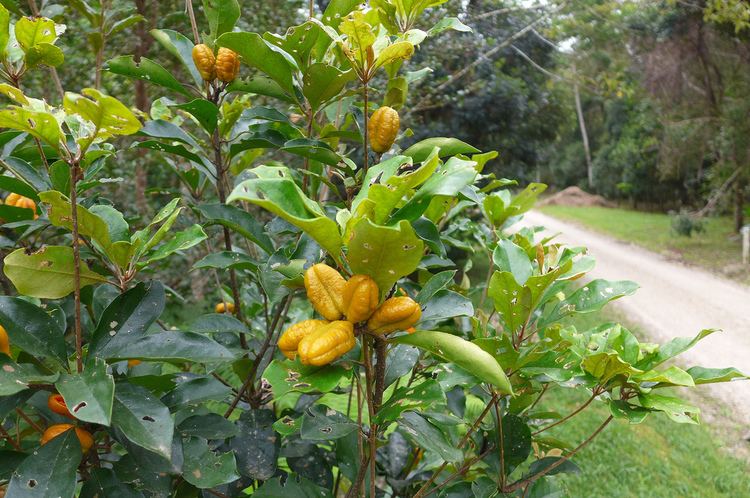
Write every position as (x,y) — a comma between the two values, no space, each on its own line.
(325,289)
(84,436)
(12,199)
(204,60)
(361,296)
(290,339)
(396,313)
(327,344)
(383,129)
(227,65)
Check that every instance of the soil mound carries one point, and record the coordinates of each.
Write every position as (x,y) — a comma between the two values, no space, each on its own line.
(574,196)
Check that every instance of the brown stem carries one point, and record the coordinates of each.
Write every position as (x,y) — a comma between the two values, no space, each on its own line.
(570,415)
(306,165)
(380,355)
(501,444)
(28,420)
(366,131)
(74,174)
(9,438)
(462,470)
(423,490)
(193,23)
(518,484)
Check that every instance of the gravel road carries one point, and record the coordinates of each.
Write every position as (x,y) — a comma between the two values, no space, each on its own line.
(674,300)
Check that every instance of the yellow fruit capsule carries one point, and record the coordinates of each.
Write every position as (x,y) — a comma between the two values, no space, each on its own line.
(290,339)
(12,199)
(4,341)
(327,343)
(84,436)
(361,297)
(325,290)
(227,65)
(204,60)
(396,313)
(383,129)
(224,308)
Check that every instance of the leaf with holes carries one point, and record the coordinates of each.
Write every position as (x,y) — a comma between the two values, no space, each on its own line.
(50,472)
(257,446)
(321,423)
(385,253)
(15,377)
(33,330)
(89,395)
(205,469)
(143,419)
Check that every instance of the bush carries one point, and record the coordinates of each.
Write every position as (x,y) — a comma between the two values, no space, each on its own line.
(685,224)
(350,354)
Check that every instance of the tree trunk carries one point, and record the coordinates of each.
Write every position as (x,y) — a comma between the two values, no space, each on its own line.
(584,136)
(142,103)
(739,204)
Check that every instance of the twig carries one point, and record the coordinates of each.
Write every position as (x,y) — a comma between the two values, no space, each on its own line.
(518,484)
(193,23)
(9,438)
(570,415)
(29,421)
(74,175)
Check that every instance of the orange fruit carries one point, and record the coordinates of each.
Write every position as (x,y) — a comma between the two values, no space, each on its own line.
(84,436)
(56,403)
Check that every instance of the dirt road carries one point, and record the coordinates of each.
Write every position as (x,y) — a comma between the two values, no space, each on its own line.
(675,300)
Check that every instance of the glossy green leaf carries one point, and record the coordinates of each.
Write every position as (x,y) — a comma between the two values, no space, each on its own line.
(146,70)
(316,150)
(463,353)
(181,48)
(263,56)
(257,446)
(104,482)
(47,273)
(425,435)
(205,469)
(17,377)
(671,349)
(204,111)
(143,419)
(284,198)
(702,375)
(49,472)
(225,260)
(222,15)
(180,241)
(44,54)
(31,31)
(237,220)
(173,346)
(38,124)
(32,329)
(507,256)
(108,115)
(372,247)
(448,147)
(320,423)
(675,408)
(89,394)
(287,376)
(321,83)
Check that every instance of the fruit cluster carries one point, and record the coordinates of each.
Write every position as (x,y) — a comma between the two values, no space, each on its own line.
(56,404)
(343,304)
(20,201)
(224,66)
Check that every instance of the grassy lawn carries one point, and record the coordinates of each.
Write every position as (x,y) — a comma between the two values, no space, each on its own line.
(716,249)
(656,459)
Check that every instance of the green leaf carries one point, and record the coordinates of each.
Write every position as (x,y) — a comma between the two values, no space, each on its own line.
(17,377)
(448,181)
(107,114)
(320,423)
(702,375)
(32,329)
(89,394)
(204,111)
(238,221)
(671,349)
(47,273)
(205,469)
(512,301)
(448,147)
(286,376)
(447,23)
(338,9)
(196,390)
(261,85)
(463,353)
(284,198)
(146,70)
(49,472)
(434,284)
(89,225)
(316,150)
(4,30)
(143,419)
(591,297)
(566,467)
(427,436)
(174,346)
(634,414)
(398,51)
(295,486)
(127,318)
(507,256)
(263,56)
(674,408)
(209,426)
(44,54)
(222,15)
(225,260)
(372,247)
(179,242)
(606,366)
(360,35)
(41,125)
(257,446)
(672,376)
(181,48)
(104,482)
(498,207)
(31,31)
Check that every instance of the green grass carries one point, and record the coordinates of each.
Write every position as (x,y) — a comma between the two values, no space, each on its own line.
(715,249)
(656,459)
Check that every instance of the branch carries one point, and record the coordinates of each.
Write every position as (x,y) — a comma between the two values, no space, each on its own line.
(570,415)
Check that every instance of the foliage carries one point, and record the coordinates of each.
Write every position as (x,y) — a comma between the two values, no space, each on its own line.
(210,407)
